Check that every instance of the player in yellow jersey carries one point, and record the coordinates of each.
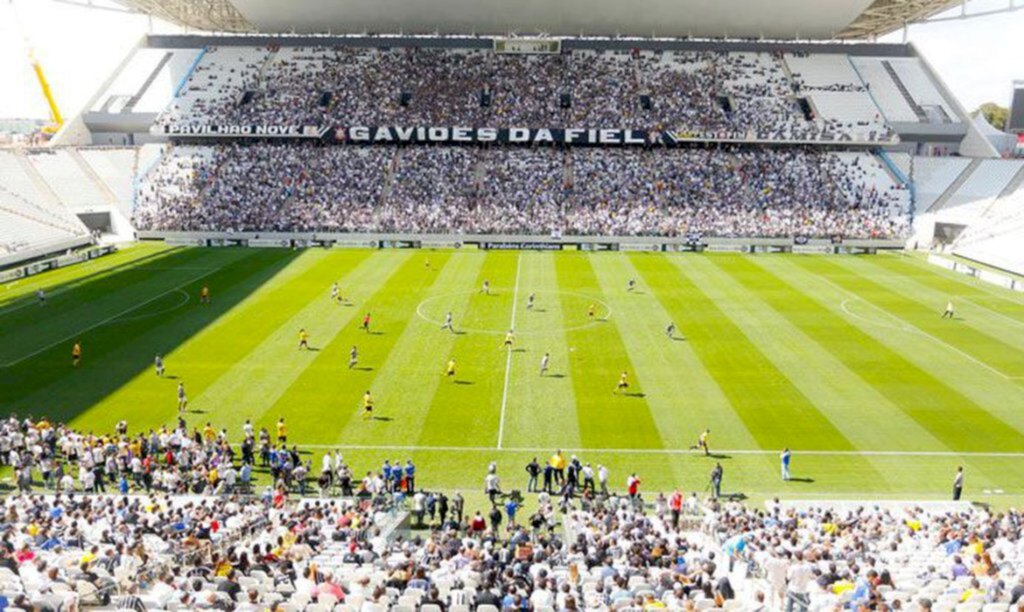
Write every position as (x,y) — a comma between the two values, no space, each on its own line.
(204,294)
(76,354)
(282,431)
(303,339)
(367,405)
(591,311)
(450,370)
(702,442)
(623,382)
(510,339)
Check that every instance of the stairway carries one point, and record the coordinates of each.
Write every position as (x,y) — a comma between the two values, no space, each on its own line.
(921,115)
(104,189)
(130,105)
(954,186)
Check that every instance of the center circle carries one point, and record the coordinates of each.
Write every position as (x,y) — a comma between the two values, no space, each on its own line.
(542,318)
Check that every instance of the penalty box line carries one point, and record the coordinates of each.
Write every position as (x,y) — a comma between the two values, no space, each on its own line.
(664,451)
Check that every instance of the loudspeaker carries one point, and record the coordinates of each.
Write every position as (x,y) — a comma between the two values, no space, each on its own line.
(405,98)
(566,100)
(645,102)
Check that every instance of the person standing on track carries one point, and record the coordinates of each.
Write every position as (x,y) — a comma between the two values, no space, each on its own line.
(784,458)
(182,398)
(958,483)
(716,480)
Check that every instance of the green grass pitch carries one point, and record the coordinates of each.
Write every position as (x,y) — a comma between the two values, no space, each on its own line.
(844,359)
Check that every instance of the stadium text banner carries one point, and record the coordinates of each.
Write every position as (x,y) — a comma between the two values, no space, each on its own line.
(246,131)
(466,135)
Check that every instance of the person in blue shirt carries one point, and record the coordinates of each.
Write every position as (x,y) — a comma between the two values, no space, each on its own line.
(410,476)
(511,507)
(122,485)
(784,458)
(386,474)
(396,477)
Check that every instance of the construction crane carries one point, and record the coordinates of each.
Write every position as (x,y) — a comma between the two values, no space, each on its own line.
(56,119)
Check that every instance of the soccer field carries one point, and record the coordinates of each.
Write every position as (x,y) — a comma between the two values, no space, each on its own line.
(844,359)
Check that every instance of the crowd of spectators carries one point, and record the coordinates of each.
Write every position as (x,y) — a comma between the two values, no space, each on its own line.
(722,191)
(703,94)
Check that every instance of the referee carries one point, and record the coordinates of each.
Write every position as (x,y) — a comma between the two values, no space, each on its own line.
(958,483)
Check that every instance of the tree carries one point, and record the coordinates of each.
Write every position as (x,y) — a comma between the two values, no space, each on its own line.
(994,114)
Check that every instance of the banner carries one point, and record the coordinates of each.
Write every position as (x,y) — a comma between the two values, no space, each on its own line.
(464,135)
(524,246)
(244,131)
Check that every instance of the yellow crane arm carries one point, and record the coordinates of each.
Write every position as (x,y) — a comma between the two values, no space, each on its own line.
(55,116)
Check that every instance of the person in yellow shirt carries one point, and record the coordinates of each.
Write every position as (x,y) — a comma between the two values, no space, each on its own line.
(209,433)
(367,405)
(557,463)
(303,339)
(702,442)
(76,354)
(591,311)
(282,431)
(623,382)
(510,339)
(204,294)
(450,371)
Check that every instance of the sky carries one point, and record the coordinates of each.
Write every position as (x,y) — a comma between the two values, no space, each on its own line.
(79,48)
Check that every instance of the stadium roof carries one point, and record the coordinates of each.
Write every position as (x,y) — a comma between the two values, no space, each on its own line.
(772,19)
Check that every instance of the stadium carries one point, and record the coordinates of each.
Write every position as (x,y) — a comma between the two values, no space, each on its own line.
(476,305)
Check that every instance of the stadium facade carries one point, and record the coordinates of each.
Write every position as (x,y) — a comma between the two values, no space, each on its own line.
(870,125)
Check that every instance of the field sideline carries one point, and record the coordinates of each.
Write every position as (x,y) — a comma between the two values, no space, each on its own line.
(844,359)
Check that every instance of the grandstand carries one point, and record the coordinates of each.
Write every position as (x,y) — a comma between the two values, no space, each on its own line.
(435,154)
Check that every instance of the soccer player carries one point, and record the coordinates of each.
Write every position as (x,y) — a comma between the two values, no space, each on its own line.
(591,311)
(182,398)
(41,296)
(529,301)
(366,323)
(702,442)
(544,364)
(623,382)
(631,285)
(158,363)
(353,357)
(282,431)
(949,313)
(426,262)
(450,370)
(367,405)
(303,339)
(784,459)
(204,294)
(76,354)
(448,322)
(670,330)
(486,288)
(335,293)
(510,338)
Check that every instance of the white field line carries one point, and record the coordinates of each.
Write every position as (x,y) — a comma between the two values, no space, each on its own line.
(666,451)
(108,319)
(986,308)
(914,329)
(508,359)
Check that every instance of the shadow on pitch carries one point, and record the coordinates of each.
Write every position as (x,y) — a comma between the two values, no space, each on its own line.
(463,382)
(555,376)
(635,394)
(113,358)
(678,339)
(800,480)
(362,368)
(382,418)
